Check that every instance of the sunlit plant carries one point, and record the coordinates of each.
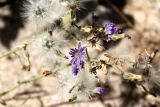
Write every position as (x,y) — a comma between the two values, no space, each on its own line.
(65,53)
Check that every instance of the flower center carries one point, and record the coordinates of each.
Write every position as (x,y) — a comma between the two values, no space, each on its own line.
(77,55)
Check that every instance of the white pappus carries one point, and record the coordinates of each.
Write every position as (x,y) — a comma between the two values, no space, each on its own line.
(50,49)
(42,13)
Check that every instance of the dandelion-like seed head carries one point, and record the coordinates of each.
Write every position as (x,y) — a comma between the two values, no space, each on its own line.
(44,12)
(50,49)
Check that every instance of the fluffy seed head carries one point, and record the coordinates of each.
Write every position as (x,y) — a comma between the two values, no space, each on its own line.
(50,48)
(43,12)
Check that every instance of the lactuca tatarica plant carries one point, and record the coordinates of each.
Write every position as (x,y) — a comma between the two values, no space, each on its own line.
(68,51)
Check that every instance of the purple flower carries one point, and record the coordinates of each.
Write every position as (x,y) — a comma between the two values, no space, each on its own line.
(95,18)
(75,70)
(111,29)
(101,90)
(78,58)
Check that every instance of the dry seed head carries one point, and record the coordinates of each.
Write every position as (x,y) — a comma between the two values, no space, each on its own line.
(43,12)
(45,47)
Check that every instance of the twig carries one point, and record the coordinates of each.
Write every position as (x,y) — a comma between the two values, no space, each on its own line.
(120,13)
(88,54)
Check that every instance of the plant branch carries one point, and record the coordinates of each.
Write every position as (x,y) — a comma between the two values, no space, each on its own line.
(19,83)
(8,53)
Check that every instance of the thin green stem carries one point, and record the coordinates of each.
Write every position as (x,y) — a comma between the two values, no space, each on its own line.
(8,53)
(19,83)
(33,78)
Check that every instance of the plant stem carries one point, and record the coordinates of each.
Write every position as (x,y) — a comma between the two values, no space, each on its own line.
(19,83)
(8,53)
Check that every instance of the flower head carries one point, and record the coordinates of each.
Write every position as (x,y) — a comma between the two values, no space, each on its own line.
(95,18)
(78,55)
(78,58)
(101,90)
(75,69)
(111,29)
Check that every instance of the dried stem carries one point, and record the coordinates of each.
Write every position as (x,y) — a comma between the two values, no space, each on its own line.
(120,13)
(88,54)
